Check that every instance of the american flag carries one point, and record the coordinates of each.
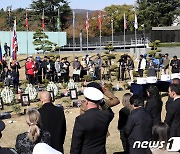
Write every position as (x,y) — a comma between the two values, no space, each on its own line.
(87,22)
(14,43)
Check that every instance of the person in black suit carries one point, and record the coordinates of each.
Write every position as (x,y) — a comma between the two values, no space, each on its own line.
(123,117)
(90,128)
(53,121)
(170,100)
(139,125)
(154,103)
(173,112)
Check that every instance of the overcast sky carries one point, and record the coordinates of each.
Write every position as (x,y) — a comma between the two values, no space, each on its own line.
(75,4)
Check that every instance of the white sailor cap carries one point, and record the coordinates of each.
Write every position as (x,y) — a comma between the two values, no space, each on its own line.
(93,94)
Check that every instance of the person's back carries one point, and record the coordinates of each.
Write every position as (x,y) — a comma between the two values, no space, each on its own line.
(139,125)
(95,121)
(53,121)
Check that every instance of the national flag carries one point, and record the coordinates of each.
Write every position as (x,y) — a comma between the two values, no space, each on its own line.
(14,43)
(87,22)
(99,21)
(125,22)
(74,20)
(43,20)
(0,54)
(135,22)
(27,24)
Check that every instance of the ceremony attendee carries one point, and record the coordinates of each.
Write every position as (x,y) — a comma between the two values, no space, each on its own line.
(175,63)
(173,112)
(139,125)
(66,66)
(53,121)
(38,70)
(43,148)
(154,104)
(7,76)
(63,71)
(97,65)
(130,67)
(14,65)
(76,69)
(44,66)
(141,65)
(110,101)
(7,50)
(122,67)
(151,68)
(170,100)
(50,70)
(90,128)
(31,68)
(123,117)
(83,68)
(58,69)
(25,142)
(165,66)
(160,132)
(5,150)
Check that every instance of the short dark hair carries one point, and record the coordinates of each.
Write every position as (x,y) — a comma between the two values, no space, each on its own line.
(160,132)
(153,91)
(175,88)
(174,56)
(137,101)
(166,54)
(176,81)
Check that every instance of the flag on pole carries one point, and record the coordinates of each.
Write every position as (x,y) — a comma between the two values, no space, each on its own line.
(99,21)
(43,20)
(27,24)
(74,20)
(135,22)
(0,54)
(14,43)
(125,22)
(87,22)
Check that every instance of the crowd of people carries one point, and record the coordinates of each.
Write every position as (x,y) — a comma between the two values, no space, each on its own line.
(138,121)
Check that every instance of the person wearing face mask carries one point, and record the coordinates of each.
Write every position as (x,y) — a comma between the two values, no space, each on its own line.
(76,69)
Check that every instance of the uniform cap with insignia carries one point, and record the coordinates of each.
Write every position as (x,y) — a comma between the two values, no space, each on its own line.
(93,94)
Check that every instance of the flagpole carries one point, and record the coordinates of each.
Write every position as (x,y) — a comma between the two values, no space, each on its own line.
(43,33)
(58,31)
(136,27)
(10,30)
(27,31)
(100,32)
(73,31)
(87,28)
(125,26)
(112,26)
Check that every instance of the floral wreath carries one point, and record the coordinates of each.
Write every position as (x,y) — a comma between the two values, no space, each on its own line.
(52,87)
(31,91)
(7,95)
